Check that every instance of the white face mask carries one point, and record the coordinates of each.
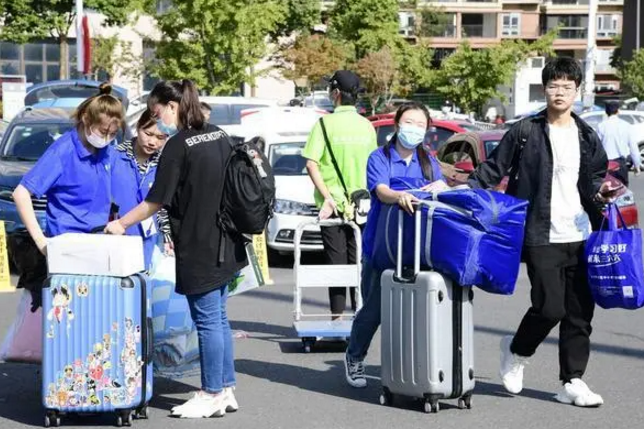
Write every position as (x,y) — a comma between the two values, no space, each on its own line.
(97,141)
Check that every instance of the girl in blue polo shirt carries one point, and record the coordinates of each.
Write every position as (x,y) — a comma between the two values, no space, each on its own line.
(74,174)
(403,157)
(134,170)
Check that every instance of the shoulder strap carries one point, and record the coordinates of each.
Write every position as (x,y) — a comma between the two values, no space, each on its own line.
(525,129)
(333,160)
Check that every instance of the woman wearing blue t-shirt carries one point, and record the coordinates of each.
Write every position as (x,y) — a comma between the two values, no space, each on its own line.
(74,174)
(403,157)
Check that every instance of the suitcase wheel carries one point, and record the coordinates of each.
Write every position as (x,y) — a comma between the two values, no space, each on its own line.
(143,413)
(386,398)
(124,418)
(52,419)
(307,344)
(465,402)
(431,406)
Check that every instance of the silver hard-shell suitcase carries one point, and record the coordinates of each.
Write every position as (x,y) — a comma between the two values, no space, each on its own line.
(427,334)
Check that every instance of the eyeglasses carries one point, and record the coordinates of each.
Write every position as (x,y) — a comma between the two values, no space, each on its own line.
(553,89)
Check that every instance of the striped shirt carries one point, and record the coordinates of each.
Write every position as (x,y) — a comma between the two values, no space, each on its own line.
(162,216)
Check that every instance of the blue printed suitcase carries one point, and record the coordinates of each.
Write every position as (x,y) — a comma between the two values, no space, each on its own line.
(97,345)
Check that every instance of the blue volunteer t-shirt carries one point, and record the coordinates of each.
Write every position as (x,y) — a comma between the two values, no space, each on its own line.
(77,185)
(380,171)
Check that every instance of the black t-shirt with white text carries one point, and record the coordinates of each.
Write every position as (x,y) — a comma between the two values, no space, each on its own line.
(189,183)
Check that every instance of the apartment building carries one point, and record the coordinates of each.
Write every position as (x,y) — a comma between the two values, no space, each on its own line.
(487,22)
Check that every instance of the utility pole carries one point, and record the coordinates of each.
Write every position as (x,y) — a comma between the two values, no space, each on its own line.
(589,81)
(637,25)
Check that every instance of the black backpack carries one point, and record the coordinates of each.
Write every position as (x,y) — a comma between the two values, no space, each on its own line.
(248,195)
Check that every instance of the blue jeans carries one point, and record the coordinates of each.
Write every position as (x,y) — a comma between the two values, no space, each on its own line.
(367,320)
(216,355)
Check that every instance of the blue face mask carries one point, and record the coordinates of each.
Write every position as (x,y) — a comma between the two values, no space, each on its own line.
(410,136)
(170,130)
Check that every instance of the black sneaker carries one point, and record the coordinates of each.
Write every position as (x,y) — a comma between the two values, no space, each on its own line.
(354,372)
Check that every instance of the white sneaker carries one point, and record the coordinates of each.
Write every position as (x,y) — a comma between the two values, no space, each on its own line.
(201,405)
(576,392)
(512,365)
(354,372)
(229,400)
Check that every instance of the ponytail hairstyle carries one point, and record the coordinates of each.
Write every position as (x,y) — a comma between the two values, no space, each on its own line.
(185,94)
(421,153)
(104,104)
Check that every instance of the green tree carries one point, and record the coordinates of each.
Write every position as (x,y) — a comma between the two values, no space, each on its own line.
(378,73)
(301,16)
(616,60)
(27,20)
(469,77)
(433,22)
(311,58)
(633,74)
(103,58)
(368,24)
(216,43)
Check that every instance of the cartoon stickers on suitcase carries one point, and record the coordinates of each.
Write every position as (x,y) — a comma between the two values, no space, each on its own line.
(92,351)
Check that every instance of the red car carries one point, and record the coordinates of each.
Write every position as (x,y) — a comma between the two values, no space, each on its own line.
(461,153)
(434,139)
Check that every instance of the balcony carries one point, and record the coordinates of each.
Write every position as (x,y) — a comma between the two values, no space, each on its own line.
(573,33)
(566,6)
(477,31)
(447,31)
(604,69)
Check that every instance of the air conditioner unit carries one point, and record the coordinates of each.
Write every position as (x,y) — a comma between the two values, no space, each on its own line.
(537,62)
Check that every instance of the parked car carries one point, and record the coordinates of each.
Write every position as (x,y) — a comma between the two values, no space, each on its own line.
(3,127)
(285,131)
(462,153)
(319,100)
(226,111)
(76,89)
(436,136)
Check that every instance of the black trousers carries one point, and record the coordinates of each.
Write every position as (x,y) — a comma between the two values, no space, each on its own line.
(560,295)
(340,249)
(622,172)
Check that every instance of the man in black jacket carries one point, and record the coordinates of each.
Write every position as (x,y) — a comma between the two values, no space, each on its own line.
(557,163)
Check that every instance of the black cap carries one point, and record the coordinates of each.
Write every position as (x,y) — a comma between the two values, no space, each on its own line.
(345,81)
(612,107)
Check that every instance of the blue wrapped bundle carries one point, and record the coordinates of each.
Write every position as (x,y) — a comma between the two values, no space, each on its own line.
(472,236)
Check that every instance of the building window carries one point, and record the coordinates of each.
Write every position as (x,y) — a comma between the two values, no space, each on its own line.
(39,61)
(536,94)
(511,24)
(570,26)
(607,25)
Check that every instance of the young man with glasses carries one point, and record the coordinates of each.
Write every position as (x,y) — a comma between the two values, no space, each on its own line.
(557,163)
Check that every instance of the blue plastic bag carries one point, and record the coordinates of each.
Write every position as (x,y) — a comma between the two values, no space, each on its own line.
(176,346)
(472,236)
(615,270)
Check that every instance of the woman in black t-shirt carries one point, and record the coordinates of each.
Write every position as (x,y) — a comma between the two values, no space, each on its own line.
(189,183)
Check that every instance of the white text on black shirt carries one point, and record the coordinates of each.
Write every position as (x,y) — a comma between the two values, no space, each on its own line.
(215,135)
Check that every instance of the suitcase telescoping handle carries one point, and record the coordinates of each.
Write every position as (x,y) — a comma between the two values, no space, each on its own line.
(399,251)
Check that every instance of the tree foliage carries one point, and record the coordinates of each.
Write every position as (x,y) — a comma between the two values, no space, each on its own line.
(378,73)
(216,43)
(300,16)
(633,74)
(469,77)
(433,22)
(27,20)
(312,57)
(368,24)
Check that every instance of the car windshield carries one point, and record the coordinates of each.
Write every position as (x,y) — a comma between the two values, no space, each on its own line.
(286,159)
(28,142)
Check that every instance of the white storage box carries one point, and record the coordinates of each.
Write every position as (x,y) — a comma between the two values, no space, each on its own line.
(95,254)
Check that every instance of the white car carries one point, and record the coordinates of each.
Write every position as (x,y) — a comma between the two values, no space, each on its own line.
(285,131)
(227,111)
(633,117)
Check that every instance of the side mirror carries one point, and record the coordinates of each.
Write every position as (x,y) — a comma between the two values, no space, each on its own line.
(466,166)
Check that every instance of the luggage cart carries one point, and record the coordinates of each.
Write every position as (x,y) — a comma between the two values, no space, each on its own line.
(311,327)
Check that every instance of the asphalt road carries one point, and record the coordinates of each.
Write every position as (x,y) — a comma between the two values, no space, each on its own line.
(280,387)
